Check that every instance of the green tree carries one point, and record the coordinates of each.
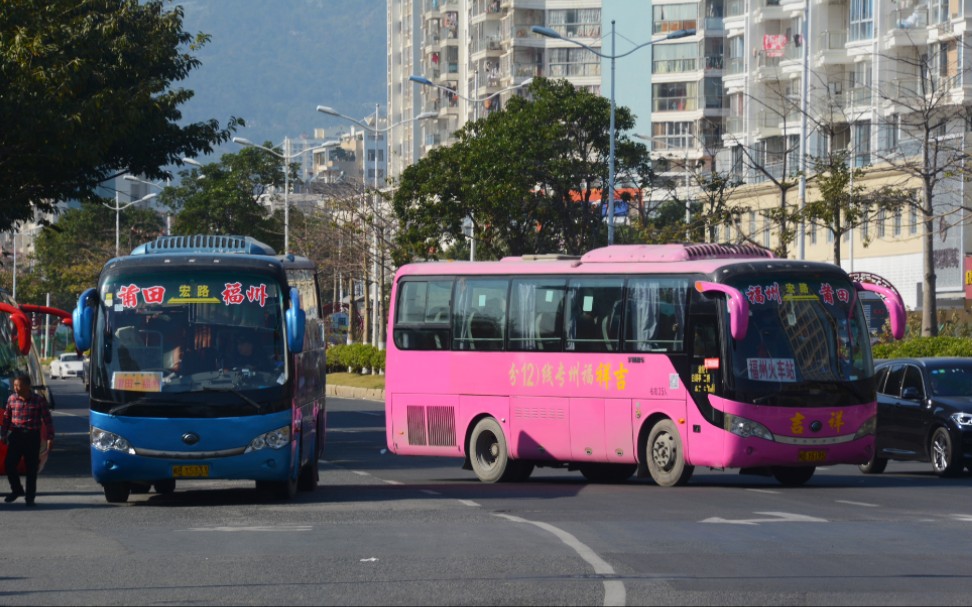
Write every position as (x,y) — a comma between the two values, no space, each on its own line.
(524,175)
(86,94)
(224,197)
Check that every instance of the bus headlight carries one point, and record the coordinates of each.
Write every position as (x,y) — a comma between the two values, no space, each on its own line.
(868,428)
(275,439)
(963,420)
(102,440)
(740,426)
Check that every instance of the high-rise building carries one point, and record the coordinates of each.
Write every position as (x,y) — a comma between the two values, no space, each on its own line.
(471,50)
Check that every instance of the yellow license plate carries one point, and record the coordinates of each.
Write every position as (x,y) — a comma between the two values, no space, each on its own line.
(194,471)
(812,456)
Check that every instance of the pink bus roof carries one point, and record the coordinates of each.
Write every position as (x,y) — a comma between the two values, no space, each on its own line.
(660,258)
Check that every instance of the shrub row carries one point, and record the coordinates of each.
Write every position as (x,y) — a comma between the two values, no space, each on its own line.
(943,345)
(357,357)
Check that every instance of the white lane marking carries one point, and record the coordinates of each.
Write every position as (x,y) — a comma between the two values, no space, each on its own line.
(770,491)
(614,592)
(430,492)
(862,504)
(965,518)
(257,528)
(778,517)
(57,413)
(469,503)
(387,482)
(360,473)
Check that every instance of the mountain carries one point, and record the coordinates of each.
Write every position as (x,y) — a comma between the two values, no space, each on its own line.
(272,62)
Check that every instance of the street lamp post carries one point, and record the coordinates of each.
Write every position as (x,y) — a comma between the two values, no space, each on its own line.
(118,208)
(159,187)
(286,160)
(473,100)
(550,33)
(376,324)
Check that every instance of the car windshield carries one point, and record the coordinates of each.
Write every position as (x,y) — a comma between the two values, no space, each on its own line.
(804,332)
(951,381)
(168,332)
(70,358)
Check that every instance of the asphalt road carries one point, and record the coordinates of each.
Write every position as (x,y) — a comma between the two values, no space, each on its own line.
(388,530)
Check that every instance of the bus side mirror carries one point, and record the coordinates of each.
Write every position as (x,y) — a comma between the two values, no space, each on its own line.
(22,323)
(82,320)
(737,304)
(294,318)
(894,304)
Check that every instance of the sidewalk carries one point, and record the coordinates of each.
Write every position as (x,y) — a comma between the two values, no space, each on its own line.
(351,392)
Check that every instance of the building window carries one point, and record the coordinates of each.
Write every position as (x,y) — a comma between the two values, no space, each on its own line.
(566,62)
(674,17)
(897,222)
(675,58)
(862,143)
(813,233)
(913,227)
(576,23)
(861,20)
(674,96)
(880,221)
(672,136)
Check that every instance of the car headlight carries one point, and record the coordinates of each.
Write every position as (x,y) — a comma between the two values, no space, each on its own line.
(102,440)
(275,439)
(740,426)
(868,428)
(963,420)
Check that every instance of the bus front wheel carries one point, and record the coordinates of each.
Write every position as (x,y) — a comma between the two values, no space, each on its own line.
(490,456)
(793,477)
(665,455)
(116,493)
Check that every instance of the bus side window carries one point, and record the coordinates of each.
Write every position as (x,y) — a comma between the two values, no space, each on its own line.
(536,314)
(590,303)
(422,316)
(479,316)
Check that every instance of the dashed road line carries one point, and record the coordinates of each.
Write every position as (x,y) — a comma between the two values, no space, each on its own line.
(862,504)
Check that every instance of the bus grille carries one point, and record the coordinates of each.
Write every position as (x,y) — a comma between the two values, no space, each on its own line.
(432,426)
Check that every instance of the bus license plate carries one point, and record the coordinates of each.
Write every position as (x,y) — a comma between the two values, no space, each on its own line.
(194,471)
(814,456)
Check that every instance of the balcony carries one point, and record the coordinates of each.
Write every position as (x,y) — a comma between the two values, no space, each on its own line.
(830,49)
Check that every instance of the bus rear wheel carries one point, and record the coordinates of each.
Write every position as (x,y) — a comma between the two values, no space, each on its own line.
(793,477)
(665,455)
(165,486)
(116,493)
(309,474)
(607,473)
(490,457)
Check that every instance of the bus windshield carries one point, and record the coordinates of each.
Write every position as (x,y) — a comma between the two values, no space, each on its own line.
(209,331)
(807,339)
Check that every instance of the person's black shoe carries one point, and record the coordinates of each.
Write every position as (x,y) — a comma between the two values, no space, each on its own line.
(13,495)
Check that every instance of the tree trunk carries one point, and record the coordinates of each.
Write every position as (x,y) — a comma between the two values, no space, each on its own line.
(929,302)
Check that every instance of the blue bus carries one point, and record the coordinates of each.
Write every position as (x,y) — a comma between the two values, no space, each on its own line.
(207,362)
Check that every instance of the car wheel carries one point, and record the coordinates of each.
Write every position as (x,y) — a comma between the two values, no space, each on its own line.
(944,461)
(875,465)
(165,486)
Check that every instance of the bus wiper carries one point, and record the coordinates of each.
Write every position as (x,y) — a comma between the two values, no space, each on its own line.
(242,396)
(119,408)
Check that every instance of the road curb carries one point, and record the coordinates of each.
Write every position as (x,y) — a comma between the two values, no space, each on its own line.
(352,392)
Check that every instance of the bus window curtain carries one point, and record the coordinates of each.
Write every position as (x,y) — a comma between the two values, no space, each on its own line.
(525,294)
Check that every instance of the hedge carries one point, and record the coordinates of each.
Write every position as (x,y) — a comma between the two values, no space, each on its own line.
(943,345)
(357,357)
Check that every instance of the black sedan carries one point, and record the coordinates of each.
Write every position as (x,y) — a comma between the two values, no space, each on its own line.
(924,413)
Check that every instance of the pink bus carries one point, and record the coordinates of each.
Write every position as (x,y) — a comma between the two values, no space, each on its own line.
(647,359)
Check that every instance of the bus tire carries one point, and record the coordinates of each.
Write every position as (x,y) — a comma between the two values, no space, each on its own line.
(116,493)
(309,474)
(793,476)
(607,473)
(665,456)
(875,465)
(520,472)
(165,486)
(489,454)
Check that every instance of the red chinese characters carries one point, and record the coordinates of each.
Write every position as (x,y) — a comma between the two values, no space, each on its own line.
(233,293)
(257,294)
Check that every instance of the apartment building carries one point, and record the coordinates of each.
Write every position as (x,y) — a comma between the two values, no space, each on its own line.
(475,53)
(858,70)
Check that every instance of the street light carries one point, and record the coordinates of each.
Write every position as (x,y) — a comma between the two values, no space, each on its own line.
(475,101)
(375,130)
(160,187)
(119,207)
(286,160)
(550,33)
